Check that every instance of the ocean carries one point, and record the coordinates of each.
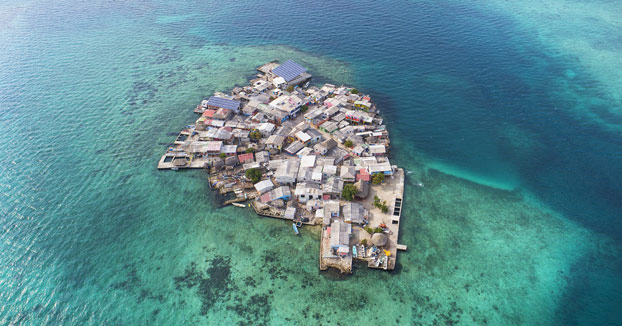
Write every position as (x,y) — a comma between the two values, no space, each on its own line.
(508,113)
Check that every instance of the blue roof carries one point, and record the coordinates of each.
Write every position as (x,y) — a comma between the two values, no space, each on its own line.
(223,103)
(289,70)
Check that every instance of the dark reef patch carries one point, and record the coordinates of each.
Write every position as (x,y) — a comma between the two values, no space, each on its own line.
(213,285)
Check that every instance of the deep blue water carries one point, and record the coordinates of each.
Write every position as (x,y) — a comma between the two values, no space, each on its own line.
(88,90)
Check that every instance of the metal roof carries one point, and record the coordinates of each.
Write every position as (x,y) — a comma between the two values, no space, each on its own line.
(289,70)
(223,103)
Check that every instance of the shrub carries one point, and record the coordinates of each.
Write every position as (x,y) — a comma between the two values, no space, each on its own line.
(256,135)
(378,230)
(354,91)
(364,242)
(223,155)
(290,88)
(369,230)
(250,150)
(253,174)
(348,192)
(348,143)
(304,109)
(378,178)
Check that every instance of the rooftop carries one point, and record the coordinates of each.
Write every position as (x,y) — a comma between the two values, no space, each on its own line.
(289,70)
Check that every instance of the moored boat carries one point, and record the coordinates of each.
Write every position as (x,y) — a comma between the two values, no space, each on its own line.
(295,228)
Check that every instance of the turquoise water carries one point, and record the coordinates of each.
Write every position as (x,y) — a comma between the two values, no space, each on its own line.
(513,127)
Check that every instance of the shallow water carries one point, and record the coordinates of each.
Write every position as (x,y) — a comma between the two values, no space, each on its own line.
(514,136)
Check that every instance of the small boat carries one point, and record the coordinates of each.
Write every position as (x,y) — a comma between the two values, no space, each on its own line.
(295,228)
(238,205)
(354,251)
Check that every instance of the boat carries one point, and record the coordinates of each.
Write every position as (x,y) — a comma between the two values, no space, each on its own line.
(238,205)
(354,251)
(295,228)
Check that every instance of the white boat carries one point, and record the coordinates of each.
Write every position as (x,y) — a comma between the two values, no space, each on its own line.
(238,205)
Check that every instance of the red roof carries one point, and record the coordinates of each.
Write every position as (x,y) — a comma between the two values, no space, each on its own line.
(245,157)
(363,175)
(209,113)
(366,98)
(207,122)
(326,197)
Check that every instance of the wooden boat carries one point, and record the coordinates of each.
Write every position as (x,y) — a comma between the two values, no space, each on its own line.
(238,205)
(295,228)
(354,251)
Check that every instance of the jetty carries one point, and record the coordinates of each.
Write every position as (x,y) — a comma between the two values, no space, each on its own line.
(311,155)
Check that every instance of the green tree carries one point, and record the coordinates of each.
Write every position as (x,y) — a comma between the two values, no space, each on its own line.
(250,150)
(369,230)
(290,88)
(348,192)
(256,135)
(253,174)
(378,230)
(354,91)
(304,109)
(223,155)
(378,178)
(364,242)
(348,143)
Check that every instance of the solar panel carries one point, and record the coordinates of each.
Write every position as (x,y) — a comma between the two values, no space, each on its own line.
(289,70)
(223,103)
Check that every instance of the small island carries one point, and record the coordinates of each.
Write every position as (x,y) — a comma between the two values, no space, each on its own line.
(309,155)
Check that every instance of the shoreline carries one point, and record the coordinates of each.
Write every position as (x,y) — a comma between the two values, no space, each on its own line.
(280,143)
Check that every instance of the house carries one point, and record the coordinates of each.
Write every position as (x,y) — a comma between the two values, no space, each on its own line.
(246,158)
(275,142)
(315,135)
(320,149)
(348,173)
(229,150)
(287,172)
(311,116)
(329,170)
(288,104)
(262,157)
(216,103)
(362,104)
(290,213)
(377,150)
(264,186)
(305,174)
(329,144)
(331,209)
(214,147)
(306,191)
(282,193)
(303,137)
(363,175)
(307,161)
(340,237)
(292,73)
(329,127)
(294,147)
(384,167)
(223,114)
(354,213)
(316,176)
(332,188)
(266,129)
